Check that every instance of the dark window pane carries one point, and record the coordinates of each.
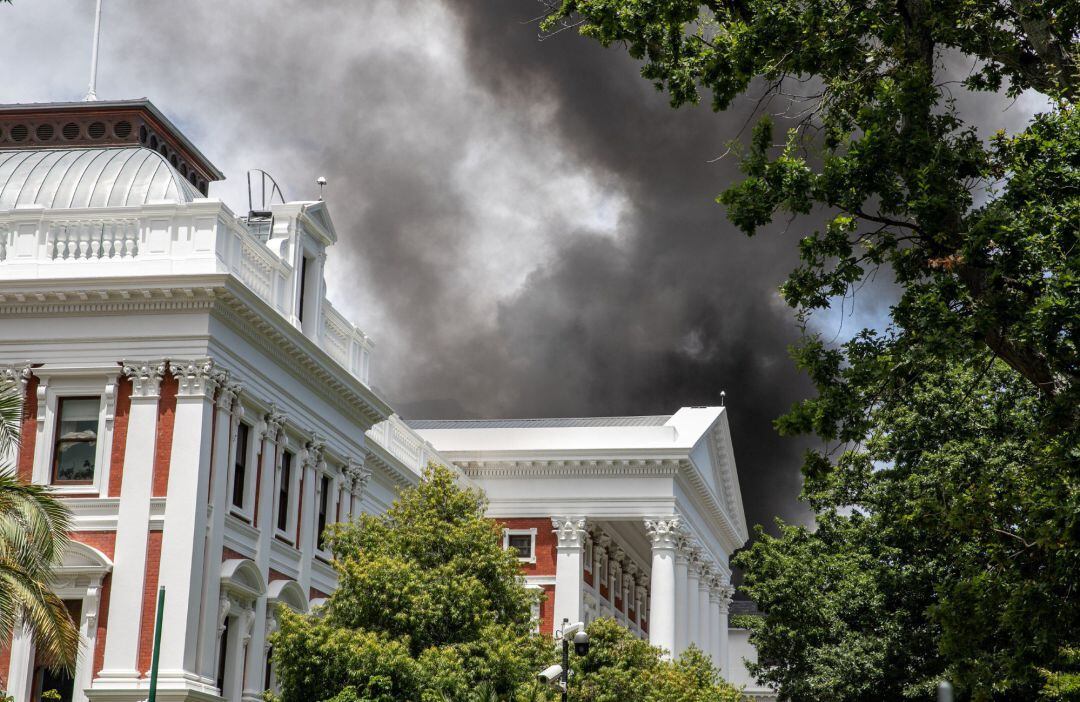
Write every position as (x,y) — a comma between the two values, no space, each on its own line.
(324,498)
(75,451)
(522,543)
(283,492)
(240,469)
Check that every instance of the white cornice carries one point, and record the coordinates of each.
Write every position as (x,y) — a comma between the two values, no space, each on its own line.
(219,294)
(568,468)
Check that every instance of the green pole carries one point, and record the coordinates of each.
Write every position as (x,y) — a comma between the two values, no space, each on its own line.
(157,644)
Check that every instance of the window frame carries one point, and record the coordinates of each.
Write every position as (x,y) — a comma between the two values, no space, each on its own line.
(246,510)
(288,535)
(531,533)
(326,481)
(63,382)
(56,440)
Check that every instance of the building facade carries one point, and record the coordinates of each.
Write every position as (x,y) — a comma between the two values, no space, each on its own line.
(205,412)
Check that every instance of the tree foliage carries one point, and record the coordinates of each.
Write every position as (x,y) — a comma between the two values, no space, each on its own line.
(33,536)
(429,607)
(947,485)
(622,668)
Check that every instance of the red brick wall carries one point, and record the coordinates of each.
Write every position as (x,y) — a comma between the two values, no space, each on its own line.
(278,575)
(163,442)
(102,624)
(315,592)
(547,611)
(27,437)
(5,661)
(120,426)
(149,603)
(228,554)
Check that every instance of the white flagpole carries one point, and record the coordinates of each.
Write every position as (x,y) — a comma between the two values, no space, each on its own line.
(91,94)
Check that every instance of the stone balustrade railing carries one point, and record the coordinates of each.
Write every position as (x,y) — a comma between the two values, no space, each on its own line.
(404,444)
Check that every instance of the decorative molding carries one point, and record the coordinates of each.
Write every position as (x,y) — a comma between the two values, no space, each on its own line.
(273,423)
(664,532)
(145,377)
(196,377)
(356,476)
(569,469)
(20,373)
(570,531)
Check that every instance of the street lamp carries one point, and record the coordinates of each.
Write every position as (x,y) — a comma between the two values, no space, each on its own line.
(559,675)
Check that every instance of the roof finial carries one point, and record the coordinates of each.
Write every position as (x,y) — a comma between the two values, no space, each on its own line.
(321,181)
(91,93)
(723,394)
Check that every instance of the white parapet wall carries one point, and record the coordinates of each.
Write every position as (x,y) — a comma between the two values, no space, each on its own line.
(741,652)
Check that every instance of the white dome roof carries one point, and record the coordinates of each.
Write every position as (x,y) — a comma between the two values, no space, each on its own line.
(94,177)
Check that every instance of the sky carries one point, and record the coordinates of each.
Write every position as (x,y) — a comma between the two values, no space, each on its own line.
(525,226)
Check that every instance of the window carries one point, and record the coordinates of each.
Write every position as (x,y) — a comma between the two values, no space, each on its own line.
(303,287)
(284,491)
(522,542)
(223,655)
(240,466)
(75,452)
(324,500)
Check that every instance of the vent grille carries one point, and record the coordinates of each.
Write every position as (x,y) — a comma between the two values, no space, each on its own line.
(45,132)
(70,131)
(96,130)
(122,129)
(19,132)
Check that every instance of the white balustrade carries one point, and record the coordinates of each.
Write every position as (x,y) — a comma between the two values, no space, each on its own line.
(404,444)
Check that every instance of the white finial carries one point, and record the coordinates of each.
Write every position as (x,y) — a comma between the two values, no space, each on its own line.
(321,181)
(723,394)
(91,93)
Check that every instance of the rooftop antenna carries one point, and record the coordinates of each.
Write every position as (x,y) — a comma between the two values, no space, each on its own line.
(91,93)
(723,394)
(321,180)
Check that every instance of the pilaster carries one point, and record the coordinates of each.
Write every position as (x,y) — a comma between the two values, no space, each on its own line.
(183,540)
(120,668)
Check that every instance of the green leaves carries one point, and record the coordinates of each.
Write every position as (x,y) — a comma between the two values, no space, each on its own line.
(34,530)
(429,607)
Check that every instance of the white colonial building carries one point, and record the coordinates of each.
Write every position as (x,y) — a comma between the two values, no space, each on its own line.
(206,412)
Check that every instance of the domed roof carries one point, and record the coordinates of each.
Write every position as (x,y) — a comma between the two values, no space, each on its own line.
(94,177)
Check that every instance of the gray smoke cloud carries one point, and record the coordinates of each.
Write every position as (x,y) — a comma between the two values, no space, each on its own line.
(526,228)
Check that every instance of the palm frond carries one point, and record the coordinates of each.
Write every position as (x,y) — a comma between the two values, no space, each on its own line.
(11,399)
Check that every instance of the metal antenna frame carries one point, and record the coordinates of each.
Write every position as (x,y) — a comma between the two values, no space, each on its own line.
(274,188)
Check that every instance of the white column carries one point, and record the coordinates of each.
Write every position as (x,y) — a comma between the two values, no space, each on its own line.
(269,478)
(226,420)
(569,572)
(21,664)
(359,476)
(707,625)
(714,617)
(239,642)
(183,538)
(88,624)
(692,604)
(726,593)
(309,520)
(681,625)
(663,533)
(120,668)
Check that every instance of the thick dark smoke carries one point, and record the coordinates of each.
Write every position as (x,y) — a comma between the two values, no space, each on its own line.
(527,228)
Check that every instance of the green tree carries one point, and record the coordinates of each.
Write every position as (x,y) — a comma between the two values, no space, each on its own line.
(429,607)
(33,535)
(622,668)
(945,528)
